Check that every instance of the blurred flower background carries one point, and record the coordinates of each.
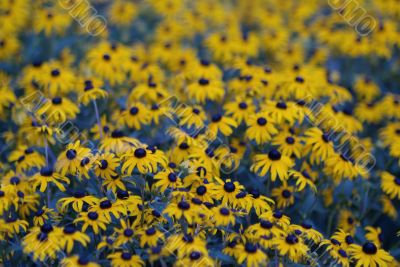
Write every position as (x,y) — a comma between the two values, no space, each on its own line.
(199,133)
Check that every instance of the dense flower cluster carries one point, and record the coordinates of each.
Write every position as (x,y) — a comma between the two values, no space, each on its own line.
(199,133)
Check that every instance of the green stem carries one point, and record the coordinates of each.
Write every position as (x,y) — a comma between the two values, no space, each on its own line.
(98,119)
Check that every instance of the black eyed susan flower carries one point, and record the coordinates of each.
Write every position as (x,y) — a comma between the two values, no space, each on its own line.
(155,253)
(122,12)
(117,182)
(227,190)
(150,236)
(70,235)
(106,128)
(388,207)
(106,243)
(149,91)
(152,216)
(222,124)
(142,159)
(260,202)
(185,243)
(340,256)
(125,259)
(44,215)
(390,185)
(274,163)
(240,110)
(251,254)
(136,115)
(265,228)
(125,234)
(299,87)
(288,144)
(222,46)
(331,244)
(180,209)
(284,195)
(342,167)
(42,242)
(204,69)
(347,221)
(166,180)
(309,232)
(303,179)
(8,97)
(28,200)
(191,116)
(374,235)
(91,90)
(57,79)
(70,160)
(58,110)
(157,112)
(281,111)
(223,216)
(344,238)
(18,180)
(196,258)
(277,217)
(203,191)
(78,200)
(391,105)
(47,175)
(198,173)
(369,255)
(366,89)
(14,225)
(80,261)
(94,219)
(244,202)
(348,121)
(105,165)
(390,133)
(318,144)
(9,46)
(107,209)
(51,21)
(261,128)
(291,246)
(26,158)
(231,248)
(205,89)
(117,142)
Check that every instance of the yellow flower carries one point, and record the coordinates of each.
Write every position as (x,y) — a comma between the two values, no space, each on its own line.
(292,246)
(74,261)
(105,165)
(273,162)
(369,255)
(46,176)
(261,128)
(91,90)
(251,254)
(390,185)
(284,195)
(223,216)
(206,89)
(51,21)
(125,259)
(69,161)
(122,12)
(222,124)
(93,219)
